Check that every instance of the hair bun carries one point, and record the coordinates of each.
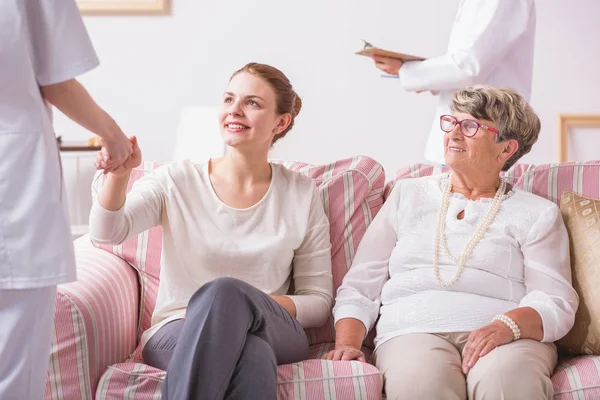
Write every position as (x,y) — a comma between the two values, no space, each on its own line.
(297,105)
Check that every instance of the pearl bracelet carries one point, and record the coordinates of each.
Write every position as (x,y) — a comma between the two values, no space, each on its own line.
(510,323)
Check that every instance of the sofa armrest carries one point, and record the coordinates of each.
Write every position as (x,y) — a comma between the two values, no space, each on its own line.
(96,323)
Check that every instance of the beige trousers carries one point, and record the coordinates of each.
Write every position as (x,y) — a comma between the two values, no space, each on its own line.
(429,366)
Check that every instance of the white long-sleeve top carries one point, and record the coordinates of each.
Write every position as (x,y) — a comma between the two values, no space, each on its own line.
(491,43)
(284,236)
(521,261)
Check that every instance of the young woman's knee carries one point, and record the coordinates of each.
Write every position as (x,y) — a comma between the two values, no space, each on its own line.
(220,288)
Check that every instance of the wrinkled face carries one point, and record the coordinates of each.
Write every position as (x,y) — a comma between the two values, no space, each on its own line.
(248,114)
(479,151)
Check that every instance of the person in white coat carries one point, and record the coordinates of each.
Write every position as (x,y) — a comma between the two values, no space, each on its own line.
(491,43)
(43,47)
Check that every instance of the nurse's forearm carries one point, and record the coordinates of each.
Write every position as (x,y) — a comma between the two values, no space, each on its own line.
(113,193)
(73,100)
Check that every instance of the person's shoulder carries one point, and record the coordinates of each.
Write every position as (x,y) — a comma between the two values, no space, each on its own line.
(532,201)
(529,207)
(179,170)
(294,187)
(293,179)
(421,183)
(179,166)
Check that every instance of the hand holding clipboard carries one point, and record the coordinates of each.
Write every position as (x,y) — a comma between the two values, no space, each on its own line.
(389,62)
(371,51)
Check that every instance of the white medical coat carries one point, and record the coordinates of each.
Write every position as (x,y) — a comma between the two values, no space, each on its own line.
(491,43)
(41,43)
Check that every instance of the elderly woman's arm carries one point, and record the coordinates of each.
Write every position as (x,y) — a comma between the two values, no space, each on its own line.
(548,276)
(547,312)
(359,297)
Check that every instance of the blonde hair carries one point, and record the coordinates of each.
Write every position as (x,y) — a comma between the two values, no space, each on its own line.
(507,109)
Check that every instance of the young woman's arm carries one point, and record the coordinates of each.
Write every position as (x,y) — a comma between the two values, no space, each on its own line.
(115,216)
(313,281)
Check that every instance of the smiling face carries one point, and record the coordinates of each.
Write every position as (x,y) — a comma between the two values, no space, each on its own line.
(479,152)
(248,114)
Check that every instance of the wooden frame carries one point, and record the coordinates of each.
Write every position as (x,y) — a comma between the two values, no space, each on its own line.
(565,122)
(114,7)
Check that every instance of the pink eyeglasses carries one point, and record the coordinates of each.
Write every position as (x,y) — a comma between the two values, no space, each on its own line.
(468,127)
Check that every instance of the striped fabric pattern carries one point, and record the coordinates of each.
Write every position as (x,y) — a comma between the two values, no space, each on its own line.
(546,180)
(310,379)
(89,327)
(142,252)
(95,323)
(577,379)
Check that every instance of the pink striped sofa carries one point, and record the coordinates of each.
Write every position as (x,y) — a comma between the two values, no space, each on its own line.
(99,319)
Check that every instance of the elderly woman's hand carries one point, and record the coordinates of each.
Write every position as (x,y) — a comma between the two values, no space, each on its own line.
(345,353)
(484,340)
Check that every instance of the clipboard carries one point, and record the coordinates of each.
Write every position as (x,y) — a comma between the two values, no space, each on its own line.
(370,50)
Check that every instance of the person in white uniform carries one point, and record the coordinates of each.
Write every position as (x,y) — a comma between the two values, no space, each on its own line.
(491,43)
(43,47)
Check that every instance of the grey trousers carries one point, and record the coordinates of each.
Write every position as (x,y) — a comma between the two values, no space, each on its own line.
(229,345)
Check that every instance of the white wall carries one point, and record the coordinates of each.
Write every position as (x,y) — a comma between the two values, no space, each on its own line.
(154,66)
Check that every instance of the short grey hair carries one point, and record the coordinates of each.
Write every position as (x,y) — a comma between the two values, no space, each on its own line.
(506,108)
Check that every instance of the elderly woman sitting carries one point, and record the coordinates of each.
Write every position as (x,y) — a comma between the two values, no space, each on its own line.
(472,275)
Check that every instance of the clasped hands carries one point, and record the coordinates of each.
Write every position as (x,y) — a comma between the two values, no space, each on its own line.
(119,157)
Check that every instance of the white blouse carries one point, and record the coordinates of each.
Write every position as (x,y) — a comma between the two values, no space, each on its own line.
(521,261)
(283,237)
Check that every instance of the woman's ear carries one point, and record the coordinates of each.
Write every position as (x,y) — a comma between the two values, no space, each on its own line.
(509,148)
(284,122)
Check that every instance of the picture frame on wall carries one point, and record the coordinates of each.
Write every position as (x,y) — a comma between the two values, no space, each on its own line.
(566,124)
(115,7)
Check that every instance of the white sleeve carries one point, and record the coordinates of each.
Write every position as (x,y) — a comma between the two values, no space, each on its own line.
(313,281)
(486,30)
(548,275)
(359,296)
(60,44)
(143,209)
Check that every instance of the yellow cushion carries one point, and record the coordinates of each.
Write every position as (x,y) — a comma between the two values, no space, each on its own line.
(582,218)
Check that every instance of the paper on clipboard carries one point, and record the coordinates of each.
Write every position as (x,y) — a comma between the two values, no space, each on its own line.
(370,50)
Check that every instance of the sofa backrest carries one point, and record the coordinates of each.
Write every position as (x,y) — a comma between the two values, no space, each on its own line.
(352,194)
(353,191)
(546,180)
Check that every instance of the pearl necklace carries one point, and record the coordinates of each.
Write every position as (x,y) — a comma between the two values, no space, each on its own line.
(440,238)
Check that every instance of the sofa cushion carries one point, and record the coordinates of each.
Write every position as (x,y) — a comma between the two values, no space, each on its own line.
(577,378)
(352,194)
(574,378)
(550,180)
(311,379)
(582,218)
